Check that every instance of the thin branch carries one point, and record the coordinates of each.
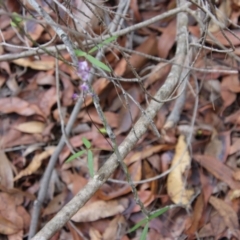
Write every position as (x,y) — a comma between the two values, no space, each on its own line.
(140,128)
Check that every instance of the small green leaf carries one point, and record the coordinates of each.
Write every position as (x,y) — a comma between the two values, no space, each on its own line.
(103,130)
(152,216)
(139,224)
(76,155)
(144,232)
(90,163)
(97,63)
(13,24)
(86,142)
(16,20)
(158,212)
(80,53)
(16,17)
(102,44)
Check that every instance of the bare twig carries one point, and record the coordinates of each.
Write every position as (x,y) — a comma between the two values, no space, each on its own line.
(140,128)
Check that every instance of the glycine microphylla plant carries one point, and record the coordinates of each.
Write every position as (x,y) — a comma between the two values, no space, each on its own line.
(146,221)
(87,152)
(83,68)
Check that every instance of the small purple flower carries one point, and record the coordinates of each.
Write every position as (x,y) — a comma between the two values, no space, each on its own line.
(83,70)
(75,96)
(84,87)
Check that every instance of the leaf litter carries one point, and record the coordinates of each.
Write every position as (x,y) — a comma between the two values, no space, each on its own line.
(204,176)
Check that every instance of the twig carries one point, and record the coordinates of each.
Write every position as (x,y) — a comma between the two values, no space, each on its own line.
(140,128)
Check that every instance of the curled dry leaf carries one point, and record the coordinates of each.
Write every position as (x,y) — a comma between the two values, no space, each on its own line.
(100,209)
(31,127)
(176,187)
(35,163)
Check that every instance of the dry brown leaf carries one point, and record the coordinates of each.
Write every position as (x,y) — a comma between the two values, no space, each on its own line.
(35,163)
(229,216)
(7,227)
(137,156)
(126,119)
(223,13)
(31,127)
(218,170)
(176,187)
(235,194)
(197,215)
(167,39)
(236,175)
(6,173)
(9,214)
(235,146)
(17,105)
(116,227)
(43,64)
(94,234)
(146,198)
(100,209)
(56,204)
(135,171)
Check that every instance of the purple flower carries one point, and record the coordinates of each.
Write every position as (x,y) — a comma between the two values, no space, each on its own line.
(84,87)
(74,96)
(83,70)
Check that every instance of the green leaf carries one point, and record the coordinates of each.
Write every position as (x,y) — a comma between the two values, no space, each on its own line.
(139,224)
(97,63)
(103,130)
(103,43)
(144,232)
(158,212)
(90,163)
(86,142)
(80,53)
(152,216)
(76,155)
(16,20)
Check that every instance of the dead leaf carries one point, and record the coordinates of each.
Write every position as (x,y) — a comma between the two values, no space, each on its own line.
(227,213)
(100,209)
(6,172)
(46,63)
(17,105)
(10,220)
(56,204)
(94,234)
(217,169)
(116,227)
(35,163)
(7,227)
(167,39)
(146,197)
(223,13)
(31,127)
(176,187)
(148,151)
(128,114)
